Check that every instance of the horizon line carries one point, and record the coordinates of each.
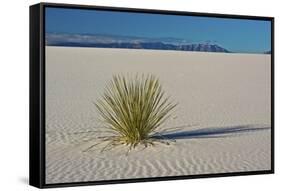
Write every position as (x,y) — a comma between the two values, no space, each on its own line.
(185,42)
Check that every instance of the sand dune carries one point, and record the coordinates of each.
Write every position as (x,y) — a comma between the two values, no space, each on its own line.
(222,122)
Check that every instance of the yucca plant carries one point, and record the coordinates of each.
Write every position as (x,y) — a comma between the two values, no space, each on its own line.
(132,108)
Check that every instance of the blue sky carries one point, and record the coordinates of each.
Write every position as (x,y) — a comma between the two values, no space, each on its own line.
(237,35)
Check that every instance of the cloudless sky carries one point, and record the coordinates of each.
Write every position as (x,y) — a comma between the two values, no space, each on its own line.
(237,35)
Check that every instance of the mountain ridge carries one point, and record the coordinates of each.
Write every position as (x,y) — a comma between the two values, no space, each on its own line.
(130,42)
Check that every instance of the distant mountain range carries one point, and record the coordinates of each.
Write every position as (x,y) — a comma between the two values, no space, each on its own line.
(113,41)
(130,42)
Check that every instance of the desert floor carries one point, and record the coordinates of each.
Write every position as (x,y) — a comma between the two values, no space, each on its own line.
(221,124)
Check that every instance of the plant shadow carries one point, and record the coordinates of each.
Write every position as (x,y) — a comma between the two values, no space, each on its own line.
(211,132)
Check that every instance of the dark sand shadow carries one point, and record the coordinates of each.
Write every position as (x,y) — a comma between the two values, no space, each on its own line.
(211,132)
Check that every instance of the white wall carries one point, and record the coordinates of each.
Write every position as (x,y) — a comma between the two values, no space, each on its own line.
(14,86)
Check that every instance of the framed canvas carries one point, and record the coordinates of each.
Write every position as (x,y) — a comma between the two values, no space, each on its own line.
(122,95)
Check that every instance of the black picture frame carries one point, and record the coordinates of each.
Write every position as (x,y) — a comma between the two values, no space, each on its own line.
(37,95)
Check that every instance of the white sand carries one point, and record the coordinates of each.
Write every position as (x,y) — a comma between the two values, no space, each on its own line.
(222,121)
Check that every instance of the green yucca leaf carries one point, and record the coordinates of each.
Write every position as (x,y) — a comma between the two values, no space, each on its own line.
(134,107)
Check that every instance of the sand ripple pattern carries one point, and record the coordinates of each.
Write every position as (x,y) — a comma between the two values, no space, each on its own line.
(199,153)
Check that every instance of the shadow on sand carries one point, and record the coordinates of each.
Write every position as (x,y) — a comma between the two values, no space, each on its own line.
(212,132)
